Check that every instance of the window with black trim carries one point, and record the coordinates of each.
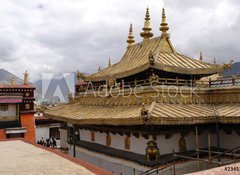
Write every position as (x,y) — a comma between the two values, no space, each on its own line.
(4,107)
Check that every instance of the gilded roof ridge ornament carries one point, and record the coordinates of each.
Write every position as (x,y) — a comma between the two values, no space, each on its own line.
(146,34)
(25,82)
(164,25)
(130,40)
(151,58)
(201,56)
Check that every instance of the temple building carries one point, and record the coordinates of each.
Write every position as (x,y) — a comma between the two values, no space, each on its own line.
(17,110)
(156,110)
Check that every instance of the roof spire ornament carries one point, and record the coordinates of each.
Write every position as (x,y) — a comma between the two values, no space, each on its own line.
(214,61)
(130,40)
(12,80)
(109,62)
(146,34)
(164,25)
(99,69)
(25,82)
(201,57)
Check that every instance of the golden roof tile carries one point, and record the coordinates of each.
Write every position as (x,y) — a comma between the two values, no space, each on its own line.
(167,59)
(158,114)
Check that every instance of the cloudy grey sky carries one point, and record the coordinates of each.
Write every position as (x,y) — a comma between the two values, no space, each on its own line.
(67,35)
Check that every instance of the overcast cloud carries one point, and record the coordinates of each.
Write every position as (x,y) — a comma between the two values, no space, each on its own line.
(68,35)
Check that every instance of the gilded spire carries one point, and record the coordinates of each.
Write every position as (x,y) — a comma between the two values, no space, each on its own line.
(130,40)
(146,34)
(164,25)
(201,57)
(25,78)
(109,62)
(12,80)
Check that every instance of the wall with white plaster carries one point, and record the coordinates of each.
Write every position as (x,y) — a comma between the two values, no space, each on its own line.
(42,132)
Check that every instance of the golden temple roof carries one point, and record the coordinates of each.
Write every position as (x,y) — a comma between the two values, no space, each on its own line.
(158,114)
(136,57)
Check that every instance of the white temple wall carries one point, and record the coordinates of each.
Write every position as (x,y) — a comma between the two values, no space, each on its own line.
(229,141)
(85,135)
(100,138)
(63,138)
(138,145)
(42,132)
(117,141)
(167,145)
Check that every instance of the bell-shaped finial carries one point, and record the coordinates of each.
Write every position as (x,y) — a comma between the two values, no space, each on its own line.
(146,34)
(164,25)
(130,40)
(25,82)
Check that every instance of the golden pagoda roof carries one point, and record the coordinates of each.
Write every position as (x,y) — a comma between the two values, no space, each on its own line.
(136,60)
(158,114)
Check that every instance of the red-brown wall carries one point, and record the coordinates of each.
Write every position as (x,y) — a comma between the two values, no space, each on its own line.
(27,120)
(2,134)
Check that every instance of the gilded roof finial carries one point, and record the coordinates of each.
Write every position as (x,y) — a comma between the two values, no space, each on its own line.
(12,80)
(164,25)
(109,62)
(99,69)
(25,82)
(130,40)
(201,57)
(146,34)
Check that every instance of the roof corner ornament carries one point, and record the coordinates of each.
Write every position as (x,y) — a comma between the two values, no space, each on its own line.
(146,34)
(25,81)
(144,112)
(99,69)
(201,57)
(70,98)
(151,58)
(80,76)
(227,67)
(130,40)
(164,26)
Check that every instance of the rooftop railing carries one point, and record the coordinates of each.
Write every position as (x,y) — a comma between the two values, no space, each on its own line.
(223,82)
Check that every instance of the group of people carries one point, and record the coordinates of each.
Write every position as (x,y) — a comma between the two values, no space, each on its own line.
(49,142)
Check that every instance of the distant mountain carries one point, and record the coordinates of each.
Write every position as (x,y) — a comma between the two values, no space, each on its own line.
(5,77)
(58,86)
(235,70)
